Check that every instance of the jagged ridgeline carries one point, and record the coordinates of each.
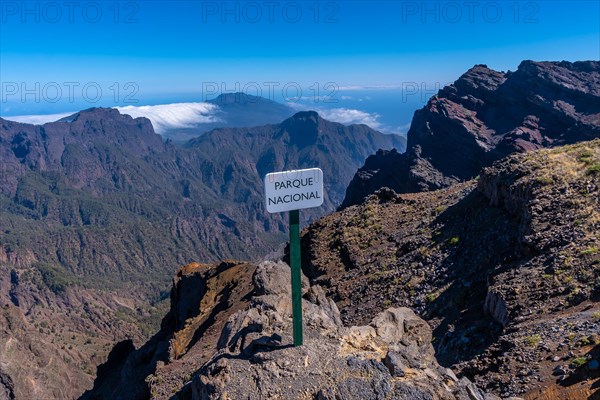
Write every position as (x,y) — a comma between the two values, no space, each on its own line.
(484,116)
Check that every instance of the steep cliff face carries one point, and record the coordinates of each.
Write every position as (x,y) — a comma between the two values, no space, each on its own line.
(484,116)
(229,333)
(506,269)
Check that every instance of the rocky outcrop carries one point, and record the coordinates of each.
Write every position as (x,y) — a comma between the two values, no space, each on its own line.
(239,346)
(495,306)
(484,116)
(7,387)
(203,296)
(392,357)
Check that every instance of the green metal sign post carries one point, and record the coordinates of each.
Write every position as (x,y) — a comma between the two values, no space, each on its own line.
(296,276)
(293,191)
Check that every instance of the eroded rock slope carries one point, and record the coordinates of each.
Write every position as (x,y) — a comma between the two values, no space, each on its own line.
(506,269)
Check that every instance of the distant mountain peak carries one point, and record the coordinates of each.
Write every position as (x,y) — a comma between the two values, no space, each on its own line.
(99,113)
(306,115)
(238,98)
(306,118)
(303,127)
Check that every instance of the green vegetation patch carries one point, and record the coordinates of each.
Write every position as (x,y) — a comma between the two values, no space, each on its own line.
(56,278)
(579,362)
(454,240)
(593,170)
(589,251)
(533,340)
(586,156)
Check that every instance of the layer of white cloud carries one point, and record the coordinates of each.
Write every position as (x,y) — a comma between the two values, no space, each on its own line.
(186,115)
(163,116)
(349,116)
(38,119)
(177,115)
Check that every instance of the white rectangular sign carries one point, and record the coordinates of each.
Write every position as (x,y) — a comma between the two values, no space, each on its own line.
(294,190)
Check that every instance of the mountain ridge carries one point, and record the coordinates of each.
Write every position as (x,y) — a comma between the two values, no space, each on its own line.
(484,116)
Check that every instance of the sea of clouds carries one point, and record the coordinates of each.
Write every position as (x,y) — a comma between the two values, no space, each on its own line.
(172,116)
(165,117)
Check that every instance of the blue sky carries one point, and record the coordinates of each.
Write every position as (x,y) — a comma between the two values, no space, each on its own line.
(159,51)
